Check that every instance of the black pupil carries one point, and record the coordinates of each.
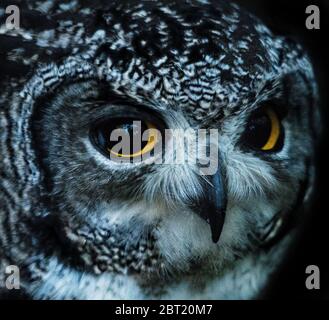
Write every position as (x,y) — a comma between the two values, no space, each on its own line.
(258,131)
(132,127)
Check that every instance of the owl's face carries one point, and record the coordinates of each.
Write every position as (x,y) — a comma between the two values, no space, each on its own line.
(226,72)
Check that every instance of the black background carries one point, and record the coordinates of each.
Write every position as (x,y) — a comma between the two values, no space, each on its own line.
(288,18)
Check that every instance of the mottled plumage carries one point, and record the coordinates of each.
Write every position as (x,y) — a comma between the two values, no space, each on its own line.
(80,226)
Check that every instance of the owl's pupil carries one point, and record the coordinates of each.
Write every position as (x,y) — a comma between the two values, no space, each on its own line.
(257,131)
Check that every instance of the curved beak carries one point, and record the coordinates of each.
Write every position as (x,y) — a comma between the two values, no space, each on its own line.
(211,206)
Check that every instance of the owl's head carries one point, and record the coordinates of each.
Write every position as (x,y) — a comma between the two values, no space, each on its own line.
(173,65)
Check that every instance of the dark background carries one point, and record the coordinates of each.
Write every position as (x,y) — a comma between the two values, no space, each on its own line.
(288,18)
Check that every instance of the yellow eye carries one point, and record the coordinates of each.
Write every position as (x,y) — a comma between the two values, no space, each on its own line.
(264,131)
(275,131)
(125,137)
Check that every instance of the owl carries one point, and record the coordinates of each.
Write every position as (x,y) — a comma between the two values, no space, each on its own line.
(79,224)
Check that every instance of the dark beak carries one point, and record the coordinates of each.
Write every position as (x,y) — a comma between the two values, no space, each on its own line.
(212,204)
